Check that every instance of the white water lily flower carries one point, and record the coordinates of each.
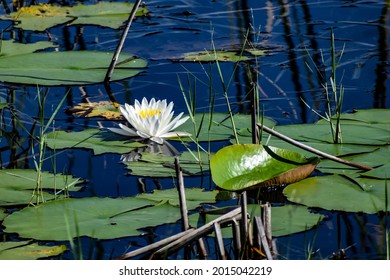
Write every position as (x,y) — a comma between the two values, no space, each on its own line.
(151,120)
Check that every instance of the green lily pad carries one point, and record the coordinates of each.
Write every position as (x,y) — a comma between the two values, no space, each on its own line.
(382,172)
(218,126)
(207,56)
(2,214)
(3,105)
(339,150)
(43,16)
(378,159)
(336,192)
(17,185)
(286,220)
(103,218)
(10,47)
(370,116)
(66,68)
(243,166)
(159,165)
(194,197)
(99,141)
(107,14)
(351,133)
(25,250)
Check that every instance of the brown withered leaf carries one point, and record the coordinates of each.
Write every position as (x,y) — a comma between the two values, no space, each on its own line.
(105,109)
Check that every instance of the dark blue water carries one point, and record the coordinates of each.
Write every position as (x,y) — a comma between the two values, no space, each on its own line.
(291,32)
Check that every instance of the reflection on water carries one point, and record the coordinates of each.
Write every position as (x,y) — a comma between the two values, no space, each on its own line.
(296,35)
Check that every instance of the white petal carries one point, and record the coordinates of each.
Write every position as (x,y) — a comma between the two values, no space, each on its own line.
(145,103)
(175,134)
(143,135)
(122,131)
(158,140)
(176,122)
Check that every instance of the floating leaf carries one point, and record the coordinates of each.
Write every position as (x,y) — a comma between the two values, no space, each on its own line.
(370,116)
(220,128)
(43,16)
(10,47)
(103,218)
(336,192)
(66,68)
(286,220)
(243,166)
(39,17)
(159,165)
(107,14)
(351,133)
(99,141)
(207,56)
(339,150)
(256,52)
(377,158)
(17,185)
(194,197)
(2,214)
(25,250)
(382,172)
(105,109)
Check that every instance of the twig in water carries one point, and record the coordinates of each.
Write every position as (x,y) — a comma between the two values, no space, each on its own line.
(195,234)
(121,42)
(182,195)
(312,150)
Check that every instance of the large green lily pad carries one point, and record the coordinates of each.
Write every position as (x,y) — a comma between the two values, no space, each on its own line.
(341,193)
(17,185)
(43,16)
(25,250)
(379,159)
(66,68)
(99,141)
(352,133)
(243,166)
(10,47)
(103,218)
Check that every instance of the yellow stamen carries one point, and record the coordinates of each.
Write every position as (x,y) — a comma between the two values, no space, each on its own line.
(149,112)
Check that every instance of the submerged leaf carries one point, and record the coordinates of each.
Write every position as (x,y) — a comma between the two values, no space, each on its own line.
(243,166)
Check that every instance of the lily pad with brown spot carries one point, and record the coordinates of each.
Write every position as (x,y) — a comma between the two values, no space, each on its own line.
(105,109)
